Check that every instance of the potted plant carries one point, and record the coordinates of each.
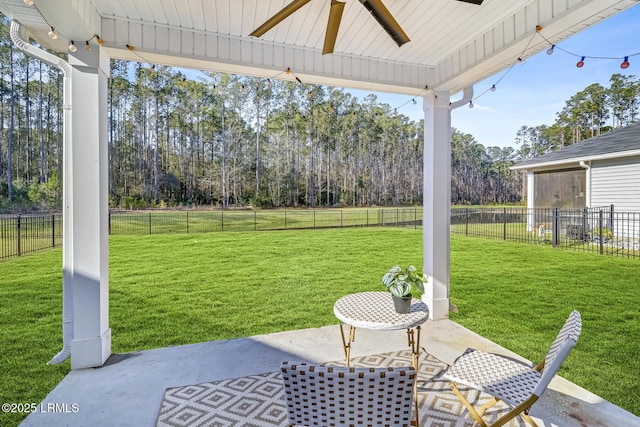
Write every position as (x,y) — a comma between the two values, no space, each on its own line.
(399,282)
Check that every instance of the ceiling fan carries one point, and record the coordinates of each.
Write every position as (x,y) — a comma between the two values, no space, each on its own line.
(375,7)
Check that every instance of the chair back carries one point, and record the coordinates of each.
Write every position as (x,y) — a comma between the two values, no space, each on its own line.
(560,349)
(318,395)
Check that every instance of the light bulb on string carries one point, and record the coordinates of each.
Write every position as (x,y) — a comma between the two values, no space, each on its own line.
(131,47)
(52,33)
(550,50)
(522,61)
(72,46)
(580,63)
(470,104)
(99,40)
(625,64)
(414,101)
(87,46)
(493,88)
(28,2)
(288,70)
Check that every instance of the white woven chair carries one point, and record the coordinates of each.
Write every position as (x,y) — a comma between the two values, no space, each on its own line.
(323,396)
(517,384)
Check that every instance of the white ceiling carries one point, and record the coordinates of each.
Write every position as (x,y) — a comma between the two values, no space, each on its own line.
(453,44)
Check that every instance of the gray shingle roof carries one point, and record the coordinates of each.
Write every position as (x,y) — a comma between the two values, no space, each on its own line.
(618,141)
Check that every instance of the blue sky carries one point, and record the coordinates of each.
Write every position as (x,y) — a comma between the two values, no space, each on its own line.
(532,94)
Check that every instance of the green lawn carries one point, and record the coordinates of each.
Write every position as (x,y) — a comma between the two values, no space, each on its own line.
(179,289)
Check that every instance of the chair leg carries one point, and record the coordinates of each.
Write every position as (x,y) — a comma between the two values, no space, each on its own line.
(467,405)
(528,419)
(487,405)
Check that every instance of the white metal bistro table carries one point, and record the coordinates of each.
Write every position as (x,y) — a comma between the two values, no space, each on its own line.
(375,311)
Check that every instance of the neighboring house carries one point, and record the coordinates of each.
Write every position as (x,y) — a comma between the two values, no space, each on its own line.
(597,172)
(600,171)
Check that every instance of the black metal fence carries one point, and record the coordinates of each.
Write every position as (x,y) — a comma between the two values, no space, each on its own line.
(601,230)
(23,234)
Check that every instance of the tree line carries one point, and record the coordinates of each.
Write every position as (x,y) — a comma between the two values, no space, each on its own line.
(229,141)
(590,112)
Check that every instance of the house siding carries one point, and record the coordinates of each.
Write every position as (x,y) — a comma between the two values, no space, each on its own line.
(616,182)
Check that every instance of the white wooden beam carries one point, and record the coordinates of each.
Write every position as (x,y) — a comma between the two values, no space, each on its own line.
(437,202)
(86,210)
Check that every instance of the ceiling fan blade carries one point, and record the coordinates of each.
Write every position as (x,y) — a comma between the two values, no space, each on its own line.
(478,2)
(386,20)
(335,15)
(279,17)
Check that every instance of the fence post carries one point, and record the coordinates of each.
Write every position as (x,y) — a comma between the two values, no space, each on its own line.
(109,222)
(504,223)
(340,218)
(466,224)
(367,217)
(585,223)
(314,218)
(611,218)
(555,240)
(415,218)
(18,231)
(382,217)
(187,222)
(222,220)
(53,230)
(600,221)
(285,219)
(255,220)
(149,222)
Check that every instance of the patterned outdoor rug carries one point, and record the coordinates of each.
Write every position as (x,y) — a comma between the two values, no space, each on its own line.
(258,400)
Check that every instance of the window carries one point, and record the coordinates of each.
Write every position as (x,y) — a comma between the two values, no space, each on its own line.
(561,189)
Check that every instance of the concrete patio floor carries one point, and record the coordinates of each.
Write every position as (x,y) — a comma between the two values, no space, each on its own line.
(128,390)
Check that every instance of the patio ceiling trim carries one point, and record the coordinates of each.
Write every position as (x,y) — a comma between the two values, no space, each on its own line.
(495,49)
(218,43)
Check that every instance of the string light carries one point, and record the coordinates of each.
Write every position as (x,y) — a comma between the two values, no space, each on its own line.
(552,47)
(87,46)
(28,2)
(72,46)
(99,40)
(131,48)
(625,64)
(412,100)
(52,33)
(520,60)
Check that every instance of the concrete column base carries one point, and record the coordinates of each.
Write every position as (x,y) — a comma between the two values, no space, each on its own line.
(438,308)
(91,353)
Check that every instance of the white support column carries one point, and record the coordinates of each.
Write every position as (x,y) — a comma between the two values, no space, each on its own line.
(86,210)
(437,202)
